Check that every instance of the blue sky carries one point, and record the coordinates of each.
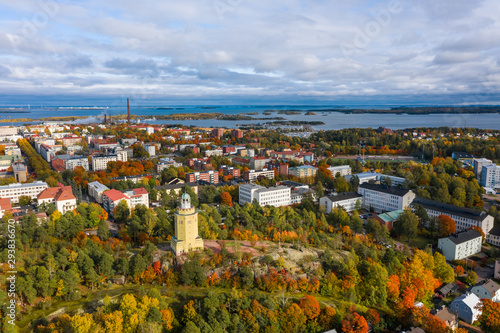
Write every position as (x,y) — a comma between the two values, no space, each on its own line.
(242,51)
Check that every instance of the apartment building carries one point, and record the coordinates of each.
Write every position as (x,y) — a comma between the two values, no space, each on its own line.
(208,176)
(61,196)
(461,245)
(133,197)
(230,171)
(237,133)
(74,161)
(344,170)
(100,162)
(272,196)
(16,190)
(382,198)
(478,164)
(490,176)
(464,217)
(253,175)
(304,171)
(96,190)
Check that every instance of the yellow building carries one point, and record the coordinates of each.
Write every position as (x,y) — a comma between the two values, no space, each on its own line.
(186,228)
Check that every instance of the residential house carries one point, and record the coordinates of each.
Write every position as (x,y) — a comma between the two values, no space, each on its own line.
(487,289)
(467,307)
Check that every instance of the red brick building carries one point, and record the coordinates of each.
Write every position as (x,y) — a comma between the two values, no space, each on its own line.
(217,132)
(208,176)
(237,133)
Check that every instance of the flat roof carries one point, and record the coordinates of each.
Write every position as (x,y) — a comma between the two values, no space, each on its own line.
(344,196)
(385,189)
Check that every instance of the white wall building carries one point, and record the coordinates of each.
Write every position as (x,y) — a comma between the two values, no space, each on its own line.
(100,162)
(252,175)
(96,190)
(133,197)
(461,245)
(365,177)
(478,166)
(490,176)
(272,196)
(464,217)
(61,196)
(15,190)
(344,170)
(137,196)
(346,200)
(487,289)
(151,149)
(73,162)
(383,198)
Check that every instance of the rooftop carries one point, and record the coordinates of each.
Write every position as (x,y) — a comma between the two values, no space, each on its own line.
(391,216)
(344,196)
(451,209)
(115,195)
(464,236)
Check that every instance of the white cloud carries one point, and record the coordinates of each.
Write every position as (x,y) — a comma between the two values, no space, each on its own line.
(250,48)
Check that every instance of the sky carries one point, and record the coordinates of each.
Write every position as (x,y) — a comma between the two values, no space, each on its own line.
(423,52)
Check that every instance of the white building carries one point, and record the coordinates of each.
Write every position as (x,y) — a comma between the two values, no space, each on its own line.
(478,166)
(16,190)
(133,197)
(490,176)
(96,190)
(137,196)
(272,196)
(467,307)
(365,177)
(61,196)
(253,175)
(121,155)
(464,217)
(461,245)
(487,289)
(81,161)
(344,170)
(100,162)
(151,149)
(346,200)
(382,198)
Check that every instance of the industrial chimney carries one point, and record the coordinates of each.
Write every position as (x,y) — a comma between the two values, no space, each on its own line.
(128,111)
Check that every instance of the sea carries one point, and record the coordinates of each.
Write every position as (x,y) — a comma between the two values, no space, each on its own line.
(332,120)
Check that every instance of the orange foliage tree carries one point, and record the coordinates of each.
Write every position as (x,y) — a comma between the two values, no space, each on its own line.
(354,323)
(446,225)
(490,316)
(226,199)
(310,306)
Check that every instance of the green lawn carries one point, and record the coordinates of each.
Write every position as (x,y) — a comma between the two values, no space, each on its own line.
(418,242)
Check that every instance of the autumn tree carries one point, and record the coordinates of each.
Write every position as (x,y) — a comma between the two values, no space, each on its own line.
(293,319)
(310,306)
(490,316)
(446,225)
(354,323)
(226,199)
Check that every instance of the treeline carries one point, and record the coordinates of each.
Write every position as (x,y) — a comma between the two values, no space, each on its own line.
(38,164)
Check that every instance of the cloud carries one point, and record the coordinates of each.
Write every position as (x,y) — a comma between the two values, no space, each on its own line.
(252,49)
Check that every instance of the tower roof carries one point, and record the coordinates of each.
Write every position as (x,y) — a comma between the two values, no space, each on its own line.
(185,196)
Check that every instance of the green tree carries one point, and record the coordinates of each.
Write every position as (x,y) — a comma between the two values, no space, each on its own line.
(122,212)
(103,230)
(407,224)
